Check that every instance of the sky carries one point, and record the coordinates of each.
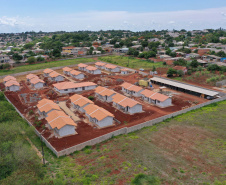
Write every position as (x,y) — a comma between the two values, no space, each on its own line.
(73,15)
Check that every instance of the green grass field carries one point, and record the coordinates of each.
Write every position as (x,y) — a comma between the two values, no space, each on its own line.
(131,62)
(188,149)
(45,65)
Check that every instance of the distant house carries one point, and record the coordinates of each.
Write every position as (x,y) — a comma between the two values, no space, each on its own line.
(37,83)
(158,99)
(93,70)
(131,89)
(4,59)
(47,72)
(61,124)
(104,94)
(124,71)
(31,76)
(68,49)
(57,77)
(12,86)
(112,68)
(67,70)
(70,87)
(126,104)
(182,68)
(99,116)
(77,74)
(8,78)
(79,102)
(82,67)
(100,65)
(46,106)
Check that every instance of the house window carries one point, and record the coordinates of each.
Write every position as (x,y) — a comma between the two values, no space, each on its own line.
(65,89)
(158,101)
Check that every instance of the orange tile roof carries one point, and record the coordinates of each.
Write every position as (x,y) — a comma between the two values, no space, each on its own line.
(54,74)
(74,72)
(154,95)
(11,82)
(30,76)
(111,66)
(124,69)
(131,87)
(46,105)
(97,112)
(80,52)
(80,100)
(124,101)
(104,91)
(69,85)
(82,65)
(48,71)
(58,119)
(68,47)
(67,69)
(100,64)
(91,68)
(179,68)
(8,78)
(36,80)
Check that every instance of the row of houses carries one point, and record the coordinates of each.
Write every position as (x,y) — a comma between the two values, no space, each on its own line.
(11,83)
(73,73)
(35,81)
(61,124)
(95,114)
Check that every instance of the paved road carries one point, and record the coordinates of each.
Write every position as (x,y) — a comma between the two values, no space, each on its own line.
(68,111)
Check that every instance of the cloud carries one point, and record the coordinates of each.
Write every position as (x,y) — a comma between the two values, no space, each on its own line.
(96,20)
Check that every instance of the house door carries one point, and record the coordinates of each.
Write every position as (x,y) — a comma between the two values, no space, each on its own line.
(106,97)
(83,88)
(127,109)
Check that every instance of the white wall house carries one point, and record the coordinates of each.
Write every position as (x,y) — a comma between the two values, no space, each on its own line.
(98,116)
(37,83)
(100,65)
(12,86)
(29,77)
(124,71)
(93,70)
(70,87)
(77,74)
(82,67)
(126,105)
(47,72)
(57,77)
(131,89)
(79,102)
(158,99)
(112,68)
(67,70)
(46,106)
(104,94)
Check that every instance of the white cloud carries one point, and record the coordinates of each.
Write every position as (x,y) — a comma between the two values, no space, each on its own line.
(96,20)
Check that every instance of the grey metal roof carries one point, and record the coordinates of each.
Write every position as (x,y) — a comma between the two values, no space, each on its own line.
(185,86)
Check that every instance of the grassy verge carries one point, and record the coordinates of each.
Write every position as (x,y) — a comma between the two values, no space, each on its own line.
(131,62)
(45,65)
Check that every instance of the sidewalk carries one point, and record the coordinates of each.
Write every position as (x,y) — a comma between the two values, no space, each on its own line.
(68,111)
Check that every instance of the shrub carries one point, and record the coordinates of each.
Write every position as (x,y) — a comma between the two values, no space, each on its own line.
(141,179)
(91,98)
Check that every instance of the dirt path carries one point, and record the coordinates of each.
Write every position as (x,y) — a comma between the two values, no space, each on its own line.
(68,111)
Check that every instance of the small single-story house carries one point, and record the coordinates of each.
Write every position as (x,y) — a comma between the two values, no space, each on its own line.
(182,68)
(124,71)
(67,70)
(99,116)
(112,68)
(126,104)
(57,77)
(93,70)
(156,98)
(8,78)
(131,89)
(70,87)
(12,85)
(80,102)
(77,74)
(100,65)
(82,67)
(37,83)
(47,72)
(31,76)
(61,124)
(104,94)
(46,106)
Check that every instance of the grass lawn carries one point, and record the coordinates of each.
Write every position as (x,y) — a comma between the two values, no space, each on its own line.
(45,65)
(131,62)
(188,149)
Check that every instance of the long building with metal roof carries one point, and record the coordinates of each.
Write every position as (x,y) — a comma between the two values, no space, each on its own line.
(191,89)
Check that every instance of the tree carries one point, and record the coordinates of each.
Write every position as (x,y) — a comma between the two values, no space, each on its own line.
(6,66)
(194,64)
(31,60)
(56,53)
(153,68)
(17,57)
(171,72)
(40,59)
(29,45)
(144,44)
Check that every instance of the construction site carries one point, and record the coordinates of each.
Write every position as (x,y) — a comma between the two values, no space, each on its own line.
(70,106)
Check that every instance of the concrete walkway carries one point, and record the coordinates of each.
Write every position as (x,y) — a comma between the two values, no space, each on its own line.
(68,111)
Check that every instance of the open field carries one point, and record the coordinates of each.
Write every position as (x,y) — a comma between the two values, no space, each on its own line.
(45,65)
(189,149)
